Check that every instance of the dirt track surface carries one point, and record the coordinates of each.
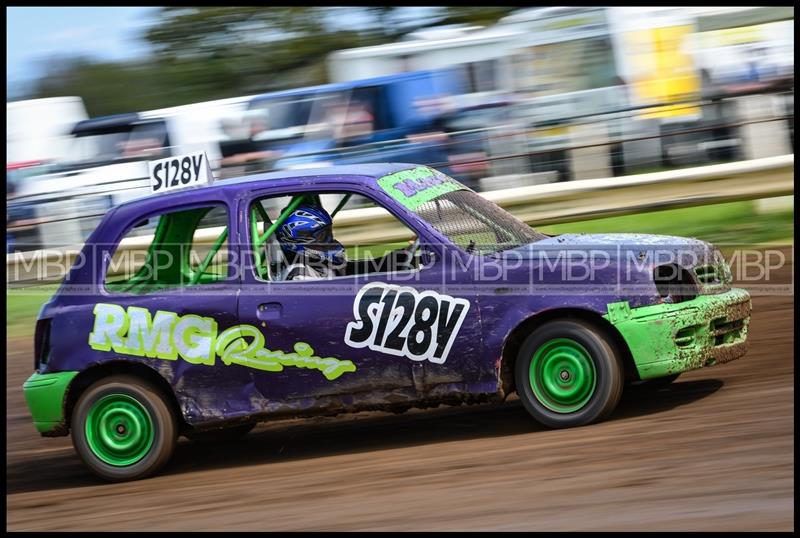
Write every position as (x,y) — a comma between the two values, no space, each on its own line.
(714,451)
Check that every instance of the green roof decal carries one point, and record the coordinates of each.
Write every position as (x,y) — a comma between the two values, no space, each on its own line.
(414,187)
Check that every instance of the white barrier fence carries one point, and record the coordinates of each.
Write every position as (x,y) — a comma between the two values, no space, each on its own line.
(536,204)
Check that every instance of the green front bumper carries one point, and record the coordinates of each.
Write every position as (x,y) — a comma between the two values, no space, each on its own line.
(666,339)
(44,394)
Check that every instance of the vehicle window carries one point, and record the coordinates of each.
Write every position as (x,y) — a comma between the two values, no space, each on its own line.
(292,118)
(566,66)
(124,142)
(145,140)
(479,118)
(466,218)
(482,75)
(364,112)
(304,237)
(182,248)
(475,224)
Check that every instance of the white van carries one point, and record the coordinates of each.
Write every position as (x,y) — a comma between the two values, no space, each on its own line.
(38,130)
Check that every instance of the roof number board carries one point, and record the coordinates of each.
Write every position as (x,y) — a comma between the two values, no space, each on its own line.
(180,172)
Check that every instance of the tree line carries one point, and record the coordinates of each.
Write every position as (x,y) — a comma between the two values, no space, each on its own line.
(205,53)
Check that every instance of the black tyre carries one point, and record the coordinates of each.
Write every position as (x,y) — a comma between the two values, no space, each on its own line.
(123,428)
(568,374)
(655,384)
(222,435)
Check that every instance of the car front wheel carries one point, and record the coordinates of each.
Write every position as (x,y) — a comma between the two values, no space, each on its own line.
(568,374)
(123,428)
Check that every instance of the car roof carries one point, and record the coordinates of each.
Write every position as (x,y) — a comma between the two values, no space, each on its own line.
(340,86)
(366,174)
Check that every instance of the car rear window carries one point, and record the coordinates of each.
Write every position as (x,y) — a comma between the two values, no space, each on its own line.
(182,248)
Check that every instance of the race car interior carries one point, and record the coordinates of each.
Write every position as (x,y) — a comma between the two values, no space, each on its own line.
(190,247)
(271,262)
(177,255)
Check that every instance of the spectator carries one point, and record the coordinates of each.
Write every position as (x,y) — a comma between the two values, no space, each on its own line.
(21,223)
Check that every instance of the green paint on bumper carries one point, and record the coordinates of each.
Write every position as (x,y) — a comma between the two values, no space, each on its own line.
(44,394)
(665,339)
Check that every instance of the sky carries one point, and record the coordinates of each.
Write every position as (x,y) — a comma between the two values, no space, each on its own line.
(106,33)
(34,34)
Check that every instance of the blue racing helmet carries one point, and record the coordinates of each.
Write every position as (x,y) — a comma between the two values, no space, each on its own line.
(308,232)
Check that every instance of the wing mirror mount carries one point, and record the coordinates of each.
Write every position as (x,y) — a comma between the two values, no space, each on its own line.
(427,258)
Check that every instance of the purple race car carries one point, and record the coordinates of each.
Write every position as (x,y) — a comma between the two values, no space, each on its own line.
(204,311)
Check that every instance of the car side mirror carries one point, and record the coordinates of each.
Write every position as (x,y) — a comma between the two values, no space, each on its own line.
(427,258)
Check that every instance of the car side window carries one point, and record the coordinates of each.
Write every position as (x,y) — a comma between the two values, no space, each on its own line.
(171,250)
(292,238)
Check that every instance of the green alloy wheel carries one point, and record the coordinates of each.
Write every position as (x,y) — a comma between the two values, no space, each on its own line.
(568,374)
(119,430)
(562,375)
(123,428)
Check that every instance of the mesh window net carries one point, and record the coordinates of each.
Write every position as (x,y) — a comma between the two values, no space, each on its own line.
(476,224)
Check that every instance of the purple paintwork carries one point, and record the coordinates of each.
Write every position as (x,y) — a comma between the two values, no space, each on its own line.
(209,394)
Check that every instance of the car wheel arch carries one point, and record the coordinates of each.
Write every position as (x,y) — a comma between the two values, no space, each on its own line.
(515,338)
(87,377)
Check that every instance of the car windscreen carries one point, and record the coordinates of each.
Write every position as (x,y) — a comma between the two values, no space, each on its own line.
(141,141)
(296,117)
(479,118)
(466,218)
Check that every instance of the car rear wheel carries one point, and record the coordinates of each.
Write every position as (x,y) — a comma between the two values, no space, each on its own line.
(123,428)
(568,374)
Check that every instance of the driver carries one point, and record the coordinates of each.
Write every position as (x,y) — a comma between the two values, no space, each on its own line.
(306,239)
